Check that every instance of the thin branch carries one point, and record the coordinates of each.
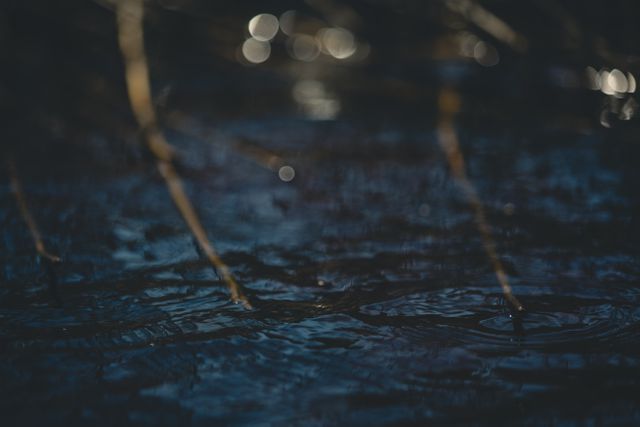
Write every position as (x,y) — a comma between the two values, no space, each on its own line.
(489,22)
(261,156)
(16,189)
(449,105)
(130,14)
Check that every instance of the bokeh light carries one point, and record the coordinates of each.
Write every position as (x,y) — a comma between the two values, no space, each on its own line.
(315,100)
(256,51)
(617,81)
(337,42)
(303,47)
(287,22)
(286,173)
(485,54)
(263,27)
(632,83)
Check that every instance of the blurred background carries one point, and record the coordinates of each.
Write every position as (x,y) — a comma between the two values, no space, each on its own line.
(547,61)
(311,137)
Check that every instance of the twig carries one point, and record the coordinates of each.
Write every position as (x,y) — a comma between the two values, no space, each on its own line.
(16,189)
(261,156)
(449,105)
(130,15)
(489,22)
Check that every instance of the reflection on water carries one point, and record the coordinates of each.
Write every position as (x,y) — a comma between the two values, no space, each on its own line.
(354,196)
(315,100)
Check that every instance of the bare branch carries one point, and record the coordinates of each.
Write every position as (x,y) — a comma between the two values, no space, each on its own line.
(16,189)
(130,14)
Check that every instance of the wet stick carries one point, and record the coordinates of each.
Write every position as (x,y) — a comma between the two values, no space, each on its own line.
(50,260)
(263,157)
(130,14)
(448,106)
(18,193)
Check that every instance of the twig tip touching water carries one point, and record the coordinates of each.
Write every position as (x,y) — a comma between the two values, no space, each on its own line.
(130,15)
(18,193)
(449,105)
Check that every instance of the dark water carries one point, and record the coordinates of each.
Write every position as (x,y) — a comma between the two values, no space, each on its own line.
(375,302)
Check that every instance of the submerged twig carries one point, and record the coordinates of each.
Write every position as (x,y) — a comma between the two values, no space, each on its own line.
(448,106)
(16,189)
(261,156)
(130,15)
